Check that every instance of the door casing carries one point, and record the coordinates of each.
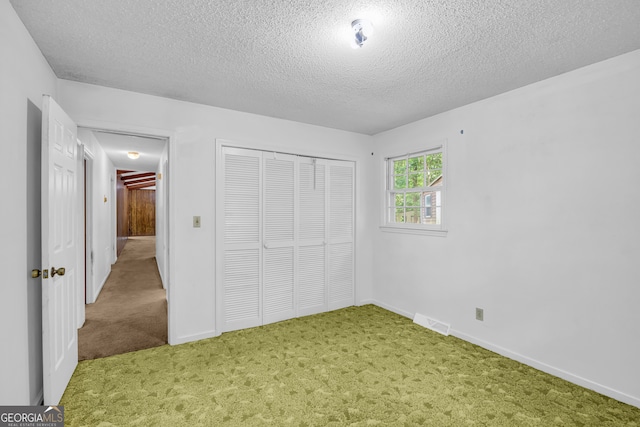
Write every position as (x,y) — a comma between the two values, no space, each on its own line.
(170,137)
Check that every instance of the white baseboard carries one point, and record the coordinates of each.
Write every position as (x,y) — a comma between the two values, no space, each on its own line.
(392,308)
(365,302)
(556,372)
(162,280)
(96,294)
(195,337)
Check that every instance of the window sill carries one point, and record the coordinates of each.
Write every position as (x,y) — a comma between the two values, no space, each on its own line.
(413,230)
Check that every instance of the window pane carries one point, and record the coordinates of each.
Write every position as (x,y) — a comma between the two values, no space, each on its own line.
(434,161)
(413,215)
(427,205)
(428,213)
(399,167)
(413,199)
(416,180)
(416,164)
(400,182)
(434,167)
(399,199)
(428,216)
(399,214)
(434,178)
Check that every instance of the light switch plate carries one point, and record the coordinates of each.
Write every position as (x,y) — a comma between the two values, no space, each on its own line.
(196,222)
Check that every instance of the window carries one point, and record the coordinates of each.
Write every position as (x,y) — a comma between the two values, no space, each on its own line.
(415,190)
(427,205)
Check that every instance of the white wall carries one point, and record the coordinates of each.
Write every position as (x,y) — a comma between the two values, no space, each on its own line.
(192,182)
(543,210)
(102,235)
(24,77)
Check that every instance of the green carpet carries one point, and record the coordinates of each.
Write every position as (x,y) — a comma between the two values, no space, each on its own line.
(358,366)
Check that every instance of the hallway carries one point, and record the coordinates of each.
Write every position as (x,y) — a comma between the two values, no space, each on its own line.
(131,311)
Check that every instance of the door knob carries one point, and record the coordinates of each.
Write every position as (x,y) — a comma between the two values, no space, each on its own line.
(35,273)
(59,271)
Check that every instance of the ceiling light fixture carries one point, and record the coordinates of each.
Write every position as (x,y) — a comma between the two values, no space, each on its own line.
(363,30)
(133,155)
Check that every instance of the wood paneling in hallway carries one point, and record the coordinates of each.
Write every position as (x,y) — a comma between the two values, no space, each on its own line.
(142,212)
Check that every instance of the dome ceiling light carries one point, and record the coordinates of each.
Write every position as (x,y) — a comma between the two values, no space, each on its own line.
(133,155)
(363,29)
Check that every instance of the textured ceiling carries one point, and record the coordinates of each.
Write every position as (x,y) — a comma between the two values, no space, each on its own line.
(292,59)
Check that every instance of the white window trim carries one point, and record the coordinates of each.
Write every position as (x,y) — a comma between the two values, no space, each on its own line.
(439,230)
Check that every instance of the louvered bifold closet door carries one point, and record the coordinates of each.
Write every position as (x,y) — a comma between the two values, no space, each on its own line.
(341,235)
(241,264)
(312,279)
(279,237)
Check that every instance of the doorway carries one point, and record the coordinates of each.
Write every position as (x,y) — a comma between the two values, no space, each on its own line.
(125,265)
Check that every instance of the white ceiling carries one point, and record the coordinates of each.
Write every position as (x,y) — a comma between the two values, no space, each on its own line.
(292,59)
(117,146)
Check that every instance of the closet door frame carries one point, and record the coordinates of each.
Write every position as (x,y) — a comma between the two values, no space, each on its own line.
(326,158)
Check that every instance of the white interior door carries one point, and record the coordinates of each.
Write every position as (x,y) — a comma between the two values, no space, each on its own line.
(341,241)
(241,265)
(60,249)
(279,194)
(312,257)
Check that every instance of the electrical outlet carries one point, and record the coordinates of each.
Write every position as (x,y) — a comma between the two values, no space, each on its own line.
(196,222)
(479,314)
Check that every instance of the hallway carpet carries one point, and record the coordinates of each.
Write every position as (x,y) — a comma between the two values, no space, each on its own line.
(131,311)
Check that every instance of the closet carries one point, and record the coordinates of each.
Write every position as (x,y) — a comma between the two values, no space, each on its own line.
(286,237)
